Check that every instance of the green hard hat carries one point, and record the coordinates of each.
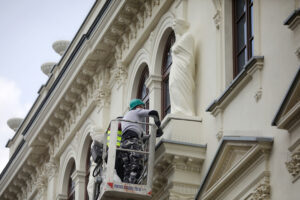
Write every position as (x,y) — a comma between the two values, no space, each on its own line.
(135,102)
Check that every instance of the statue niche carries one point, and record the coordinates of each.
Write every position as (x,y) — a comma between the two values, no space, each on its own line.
(181,80)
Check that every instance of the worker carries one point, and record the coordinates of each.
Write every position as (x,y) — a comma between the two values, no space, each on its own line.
(132,138)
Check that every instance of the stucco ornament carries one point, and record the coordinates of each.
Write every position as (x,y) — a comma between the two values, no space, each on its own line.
(293,165)
(181,80)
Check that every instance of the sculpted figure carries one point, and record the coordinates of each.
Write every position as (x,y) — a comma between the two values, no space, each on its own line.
(181,78)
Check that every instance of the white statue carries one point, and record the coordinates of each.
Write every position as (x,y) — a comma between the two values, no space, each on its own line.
(181,79)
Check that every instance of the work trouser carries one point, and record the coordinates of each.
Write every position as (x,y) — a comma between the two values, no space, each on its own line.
(132,161)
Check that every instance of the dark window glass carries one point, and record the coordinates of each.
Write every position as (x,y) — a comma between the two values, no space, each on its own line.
(143,92)
(241,60)
(167,62)
(167,104)
(88,166)
(252,49)
(251,20)
(243,33)
(71,188)
(240,8)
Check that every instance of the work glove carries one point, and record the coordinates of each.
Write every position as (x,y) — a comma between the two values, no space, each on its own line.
(159,132)
(154,114)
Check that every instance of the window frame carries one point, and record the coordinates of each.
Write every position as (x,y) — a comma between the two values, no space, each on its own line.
(71,194)
(248,47)
(165,72)
(143,78)
(142,82)
(87,170)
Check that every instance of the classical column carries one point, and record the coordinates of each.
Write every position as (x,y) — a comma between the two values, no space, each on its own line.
(79,178)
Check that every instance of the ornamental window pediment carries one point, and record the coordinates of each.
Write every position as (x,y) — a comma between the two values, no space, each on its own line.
(240,162)
(288,115)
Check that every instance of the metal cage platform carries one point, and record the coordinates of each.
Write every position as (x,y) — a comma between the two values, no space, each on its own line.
(111,189)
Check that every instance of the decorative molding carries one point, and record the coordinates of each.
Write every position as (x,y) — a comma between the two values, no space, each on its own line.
(293,20)
(217,19)
(218,16)
(181,191)
(170,162)
(293,165)
(258,95)
(221,176)
(262,191)
(219,134)
(51,168)
(288,114)
(118,74)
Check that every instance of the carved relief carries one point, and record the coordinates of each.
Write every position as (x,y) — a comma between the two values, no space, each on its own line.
(262,191)
(293,165)
(217,17)
(51,168)
(118,73)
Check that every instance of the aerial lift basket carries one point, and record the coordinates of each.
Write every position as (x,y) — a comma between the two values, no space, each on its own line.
(112,189)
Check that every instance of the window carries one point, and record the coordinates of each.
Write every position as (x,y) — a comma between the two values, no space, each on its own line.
(71,186)
(87,172)
(243,33)
(166,65)
(143,92)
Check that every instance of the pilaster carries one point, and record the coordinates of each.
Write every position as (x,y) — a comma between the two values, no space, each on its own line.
(79,178)
(153,83)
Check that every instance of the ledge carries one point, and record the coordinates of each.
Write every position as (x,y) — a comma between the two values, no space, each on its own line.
(293,20)
(236,85)
(169,117)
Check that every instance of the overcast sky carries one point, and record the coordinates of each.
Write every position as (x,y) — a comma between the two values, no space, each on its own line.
(28,29)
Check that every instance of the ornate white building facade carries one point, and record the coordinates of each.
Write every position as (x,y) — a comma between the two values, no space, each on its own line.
(224,75)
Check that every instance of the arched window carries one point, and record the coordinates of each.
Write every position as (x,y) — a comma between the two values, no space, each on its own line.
(143,92)
(165,72)
(87,172)
(71,185)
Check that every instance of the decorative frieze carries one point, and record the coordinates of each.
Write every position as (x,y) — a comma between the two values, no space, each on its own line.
(118,73)
(51,168)
(262,191)
(293,165)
